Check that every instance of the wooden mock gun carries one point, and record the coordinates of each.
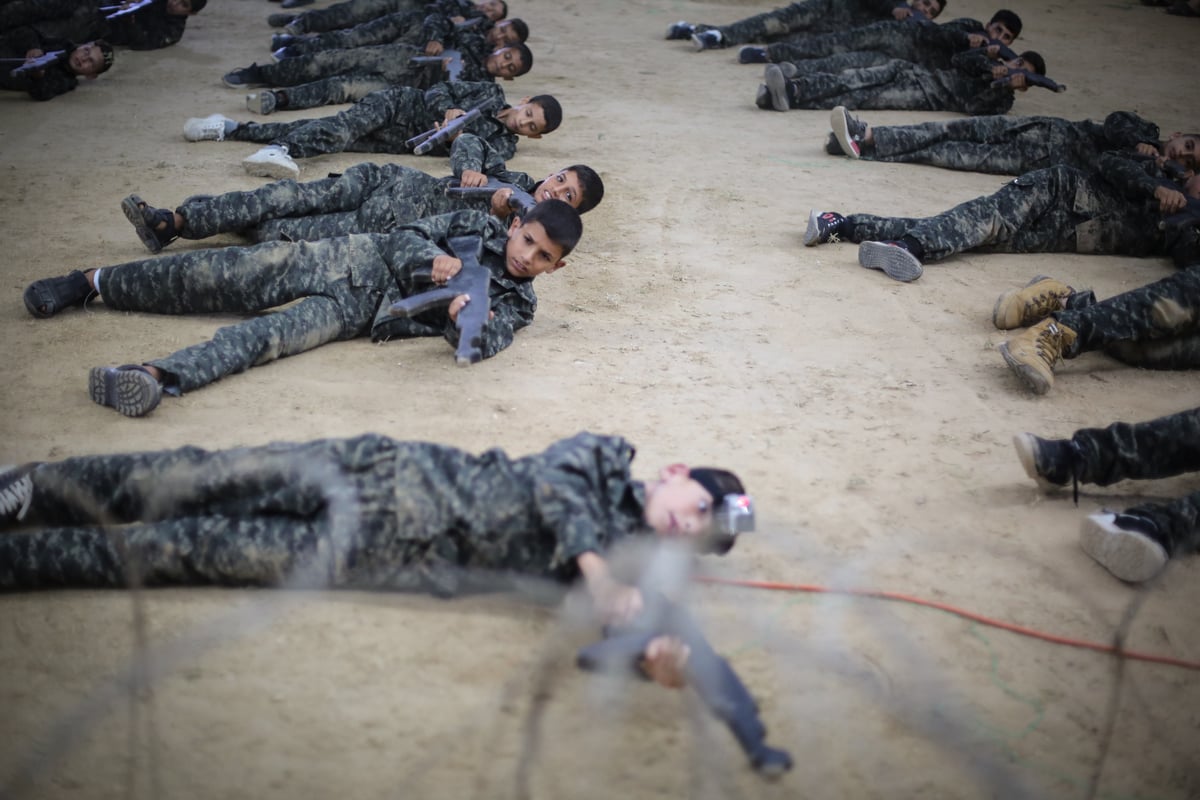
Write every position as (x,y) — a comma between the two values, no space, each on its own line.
(520,201)
(473,279)
(713,679)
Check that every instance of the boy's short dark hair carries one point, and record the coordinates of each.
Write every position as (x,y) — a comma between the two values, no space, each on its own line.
(526,57)
(561,223)
(520,27)
(109,54)
(1036,61)
(1009,19)
(590,183)
(718,483)
(197,5)
(550,109)
(941,7)
(503,9)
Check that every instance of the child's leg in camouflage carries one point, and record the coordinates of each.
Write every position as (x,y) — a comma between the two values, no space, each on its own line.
(350,13)
(869,228)
(329,91)
(775,24)
(1178,522)
(1159,448)
(996,144)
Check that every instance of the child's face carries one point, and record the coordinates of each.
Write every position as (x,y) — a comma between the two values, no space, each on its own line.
(930,8)
(562,185)
(999,32)
(86,60)
(1182,149)
(678,506)
(529,251)
(503,34)
(505,63)
(527,119)
(492,9)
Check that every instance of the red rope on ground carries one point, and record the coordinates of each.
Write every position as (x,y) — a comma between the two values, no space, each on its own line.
(995,623)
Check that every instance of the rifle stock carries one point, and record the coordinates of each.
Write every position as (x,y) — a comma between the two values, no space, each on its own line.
(710,675)
(520,201)
(474,280)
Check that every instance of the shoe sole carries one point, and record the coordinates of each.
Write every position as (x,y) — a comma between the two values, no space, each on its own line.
(895,262)
(777,87)
(16,490)
(131,392)
(1033,380)
(812,234)
(267,169)
(133,212)
(837,121)
(258,104)
(1026,449)
(1130,556)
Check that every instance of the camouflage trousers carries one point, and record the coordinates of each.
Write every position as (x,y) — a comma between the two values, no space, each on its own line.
(1156,326)
(318,514)
(385,62)
(813,16)
(379,123)
(366,198)
(339,284)
(330,91)
(1052,210)
(1159,448)
(400,28)
(888,41)
(997,144)
(869,81)
(350,13)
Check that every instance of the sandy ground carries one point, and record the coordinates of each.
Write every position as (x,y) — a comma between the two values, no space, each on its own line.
(871,419)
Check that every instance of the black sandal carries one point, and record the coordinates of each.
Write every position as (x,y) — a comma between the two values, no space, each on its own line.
(154,226)
(47,297)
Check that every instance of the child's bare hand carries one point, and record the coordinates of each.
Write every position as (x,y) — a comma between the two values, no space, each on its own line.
(500,202)
(664,660)
(459,303)
(1169,200)
(1146,149)
(444,268)
(976,40)
(1019,81)
(999,71)
(993,51)
(433,48)
(472,178)
(616,603)
(901,13)
(452,114)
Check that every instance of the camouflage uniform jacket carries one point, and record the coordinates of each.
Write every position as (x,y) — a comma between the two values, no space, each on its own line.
(409,253)
(486,143)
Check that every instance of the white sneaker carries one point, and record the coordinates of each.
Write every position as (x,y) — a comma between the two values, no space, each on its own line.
(199,129)
(16,491)
(272,161)
(1116,543)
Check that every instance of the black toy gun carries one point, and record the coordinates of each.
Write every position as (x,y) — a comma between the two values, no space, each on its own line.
(41,62)
(1031,78)
(449,60)
(474,280)
(122,10)
(713,679)
(919,17)
(520,201)
(422,143)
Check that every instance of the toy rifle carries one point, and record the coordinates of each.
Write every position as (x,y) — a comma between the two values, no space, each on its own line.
(473,279)
(714,680)
(919,17)
(44,60)
(423,142)
(1031,78)
(449,60)
(122,10)
(520,201)
(467,23)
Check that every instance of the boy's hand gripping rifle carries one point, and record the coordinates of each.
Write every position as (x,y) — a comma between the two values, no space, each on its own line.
(520,201)
(41,62)
(474,280)
(423,142)
(1032,79)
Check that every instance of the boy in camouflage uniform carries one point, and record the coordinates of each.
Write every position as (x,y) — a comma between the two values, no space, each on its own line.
(1114,211)
(1134,544)
(868,80)
(384,121)
(808,16)
(61,75)
(928,45)
(1156,326)
(345,287)
(151,27)
(367,198)
(1007,145)
(431,32)
(363,513)
(355,12)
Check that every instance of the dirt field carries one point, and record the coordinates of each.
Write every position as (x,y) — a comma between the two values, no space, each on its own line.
(871,419)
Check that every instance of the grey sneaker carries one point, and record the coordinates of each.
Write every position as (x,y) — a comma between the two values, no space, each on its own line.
(210,128)
(129,389)
(892,258)
(849,131)
(1125,544)
(708,40)
(680,30)
(777,87)
(271,161)
(261,102)
(16,491)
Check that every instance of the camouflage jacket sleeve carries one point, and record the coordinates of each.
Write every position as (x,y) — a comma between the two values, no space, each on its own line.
(580,494)
(150,28)
(57,78)
(1135,178)
(1124,130)
(470,151)
(978,96)
(441,97)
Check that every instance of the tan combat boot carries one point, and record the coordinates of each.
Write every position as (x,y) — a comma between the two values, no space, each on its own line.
(1018,308)
(1033,353)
